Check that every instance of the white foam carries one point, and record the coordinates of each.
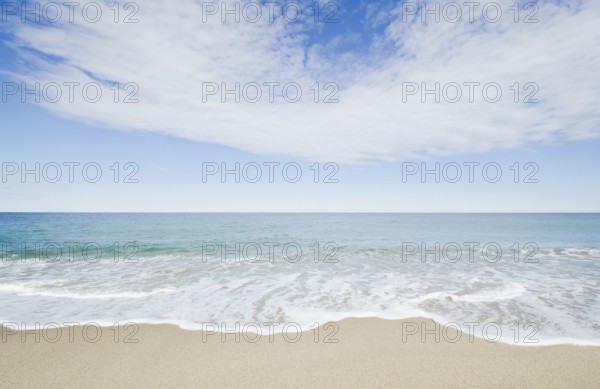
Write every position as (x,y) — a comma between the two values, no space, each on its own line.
(505,292)
(187,292)
(21,290)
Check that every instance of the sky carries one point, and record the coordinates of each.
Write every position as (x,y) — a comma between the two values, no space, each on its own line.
(360,107)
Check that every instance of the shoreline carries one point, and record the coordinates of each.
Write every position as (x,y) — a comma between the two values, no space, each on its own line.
(368,351)
(475,329)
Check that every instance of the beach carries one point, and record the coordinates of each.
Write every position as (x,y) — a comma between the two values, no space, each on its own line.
(185,300)
(369,352)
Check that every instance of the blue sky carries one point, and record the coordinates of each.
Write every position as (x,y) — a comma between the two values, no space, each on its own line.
(370,54)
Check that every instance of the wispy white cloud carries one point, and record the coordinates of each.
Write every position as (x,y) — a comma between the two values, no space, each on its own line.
(171,52)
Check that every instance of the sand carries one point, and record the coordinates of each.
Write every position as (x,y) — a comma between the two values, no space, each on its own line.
(369,353)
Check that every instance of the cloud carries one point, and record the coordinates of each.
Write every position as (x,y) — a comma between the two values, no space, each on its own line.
(171,52)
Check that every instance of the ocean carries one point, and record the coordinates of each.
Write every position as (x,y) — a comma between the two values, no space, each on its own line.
(532,279)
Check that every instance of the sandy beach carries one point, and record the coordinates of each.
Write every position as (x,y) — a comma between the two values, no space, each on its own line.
(369,352)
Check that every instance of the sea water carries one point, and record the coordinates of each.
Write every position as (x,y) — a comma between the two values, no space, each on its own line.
(531,278)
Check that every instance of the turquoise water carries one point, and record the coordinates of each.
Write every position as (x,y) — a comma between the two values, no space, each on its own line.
(190,269)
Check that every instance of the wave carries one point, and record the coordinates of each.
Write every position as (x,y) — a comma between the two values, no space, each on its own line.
(22,290)
(505,292)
